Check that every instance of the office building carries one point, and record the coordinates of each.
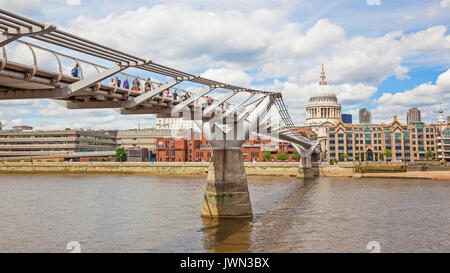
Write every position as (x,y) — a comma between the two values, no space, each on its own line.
(364,116)
(369,142)
(347,118)
(413,116)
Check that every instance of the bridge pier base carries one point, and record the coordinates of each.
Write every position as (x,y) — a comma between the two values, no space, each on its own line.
(226,193)
(308,167)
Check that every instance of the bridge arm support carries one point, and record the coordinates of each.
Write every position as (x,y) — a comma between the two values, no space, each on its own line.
(179,108)
(133,102)
(13,34)
(82,84)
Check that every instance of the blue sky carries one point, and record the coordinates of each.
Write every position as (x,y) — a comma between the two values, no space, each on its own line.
(383,55)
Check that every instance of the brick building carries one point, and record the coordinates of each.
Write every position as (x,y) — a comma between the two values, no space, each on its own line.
(182,149)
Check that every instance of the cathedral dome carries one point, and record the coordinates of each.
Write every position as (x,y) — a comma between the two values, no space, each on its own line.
(323,92)
(323,106)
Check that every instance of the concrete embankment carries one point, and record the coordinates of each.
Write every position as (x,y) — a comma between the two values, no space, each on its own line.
(154,168)
(288,169)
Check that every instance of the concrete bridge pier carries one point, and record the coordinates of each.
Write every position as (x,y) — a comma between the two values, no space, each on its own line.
(308,167)
(226,193)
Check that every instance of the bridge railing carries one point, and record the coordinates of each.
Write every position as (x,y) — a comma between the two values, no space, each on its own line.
(42,59)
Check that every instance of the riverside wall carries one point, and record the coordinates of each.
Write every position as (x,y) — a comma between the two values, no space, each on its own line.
(154,168)
(286,169)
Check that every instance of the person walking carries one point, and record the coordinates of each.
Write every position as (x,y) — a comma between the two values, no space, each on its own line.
(175,95)
(136,85)
(118,82)
(76,71)
(148,85)
(126,83)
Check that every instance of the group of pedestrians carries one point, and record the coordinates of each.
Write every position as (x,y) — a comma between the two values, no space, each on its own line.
(135,84)
(149,85)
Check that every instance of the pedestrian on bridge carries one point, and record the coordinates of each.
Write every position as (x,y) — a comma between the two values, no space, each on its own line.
(148,85)
(175,95)
(136,84)
(118,82)
(76,71)
(126,83)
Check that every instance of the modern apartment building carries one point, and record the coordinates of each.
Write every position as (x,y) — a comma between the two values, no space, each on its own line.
(47,143)
(369,142)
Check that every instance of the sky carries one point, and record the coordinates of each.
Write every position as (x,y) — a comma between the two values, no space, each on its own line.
(386,56)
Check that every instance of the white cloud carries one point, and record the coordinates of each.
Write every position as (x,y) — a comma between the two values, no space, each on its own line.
(73,2)
(230,76)
(445,4)
(373,2)
(427,96)
(23,7)
(262,40)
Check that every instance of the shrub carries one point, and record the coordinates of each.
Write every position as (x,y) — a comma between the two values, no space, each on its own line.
(295,155)
(267,155)
(121,155)
(281,156)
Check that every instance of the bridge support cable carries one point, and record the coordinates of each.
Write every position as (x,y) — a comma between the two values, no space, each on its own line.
(236,107)
(179,108)
(216,104)
(248,111)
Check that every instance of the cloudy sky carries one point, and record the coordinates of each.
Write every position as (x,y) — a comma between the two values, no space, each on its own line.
(384,55)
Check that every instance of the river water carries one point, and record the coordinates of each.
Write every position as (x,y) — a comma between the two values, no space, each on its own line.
(160,214)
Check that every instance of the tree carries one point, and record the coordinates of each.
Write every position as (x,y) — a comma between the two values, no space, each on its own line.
(345,155)
(121,155)
(267,156)
(387,153)
(429,154)
(281,156)
(102,159)
(295,155)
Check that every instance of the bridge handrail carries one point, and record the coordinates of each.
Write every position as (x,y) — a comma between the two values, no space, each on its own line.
(57,56)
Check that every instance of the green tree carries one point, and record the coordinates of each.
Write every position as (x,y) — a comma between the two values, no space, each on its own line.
(429,154)
(295,155)
(387,153)
(121,155)
(281,156)
(345,155)
(102,159)
(267,156)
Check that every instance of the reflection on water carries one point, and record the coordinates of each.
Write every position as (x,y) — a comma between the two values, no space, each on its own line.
(160,214)
(226,235)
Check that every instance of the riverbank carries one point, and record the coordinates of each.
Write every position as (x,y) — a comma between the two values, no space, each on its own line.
(151,168)
(435,175)
(273,169)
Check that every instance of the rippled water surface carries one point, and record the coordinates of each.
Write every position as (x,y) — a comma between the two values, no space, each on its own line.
(160,214)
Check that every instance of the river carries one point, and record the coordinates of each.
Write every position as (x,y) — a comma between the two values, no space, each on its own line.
(161,214)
